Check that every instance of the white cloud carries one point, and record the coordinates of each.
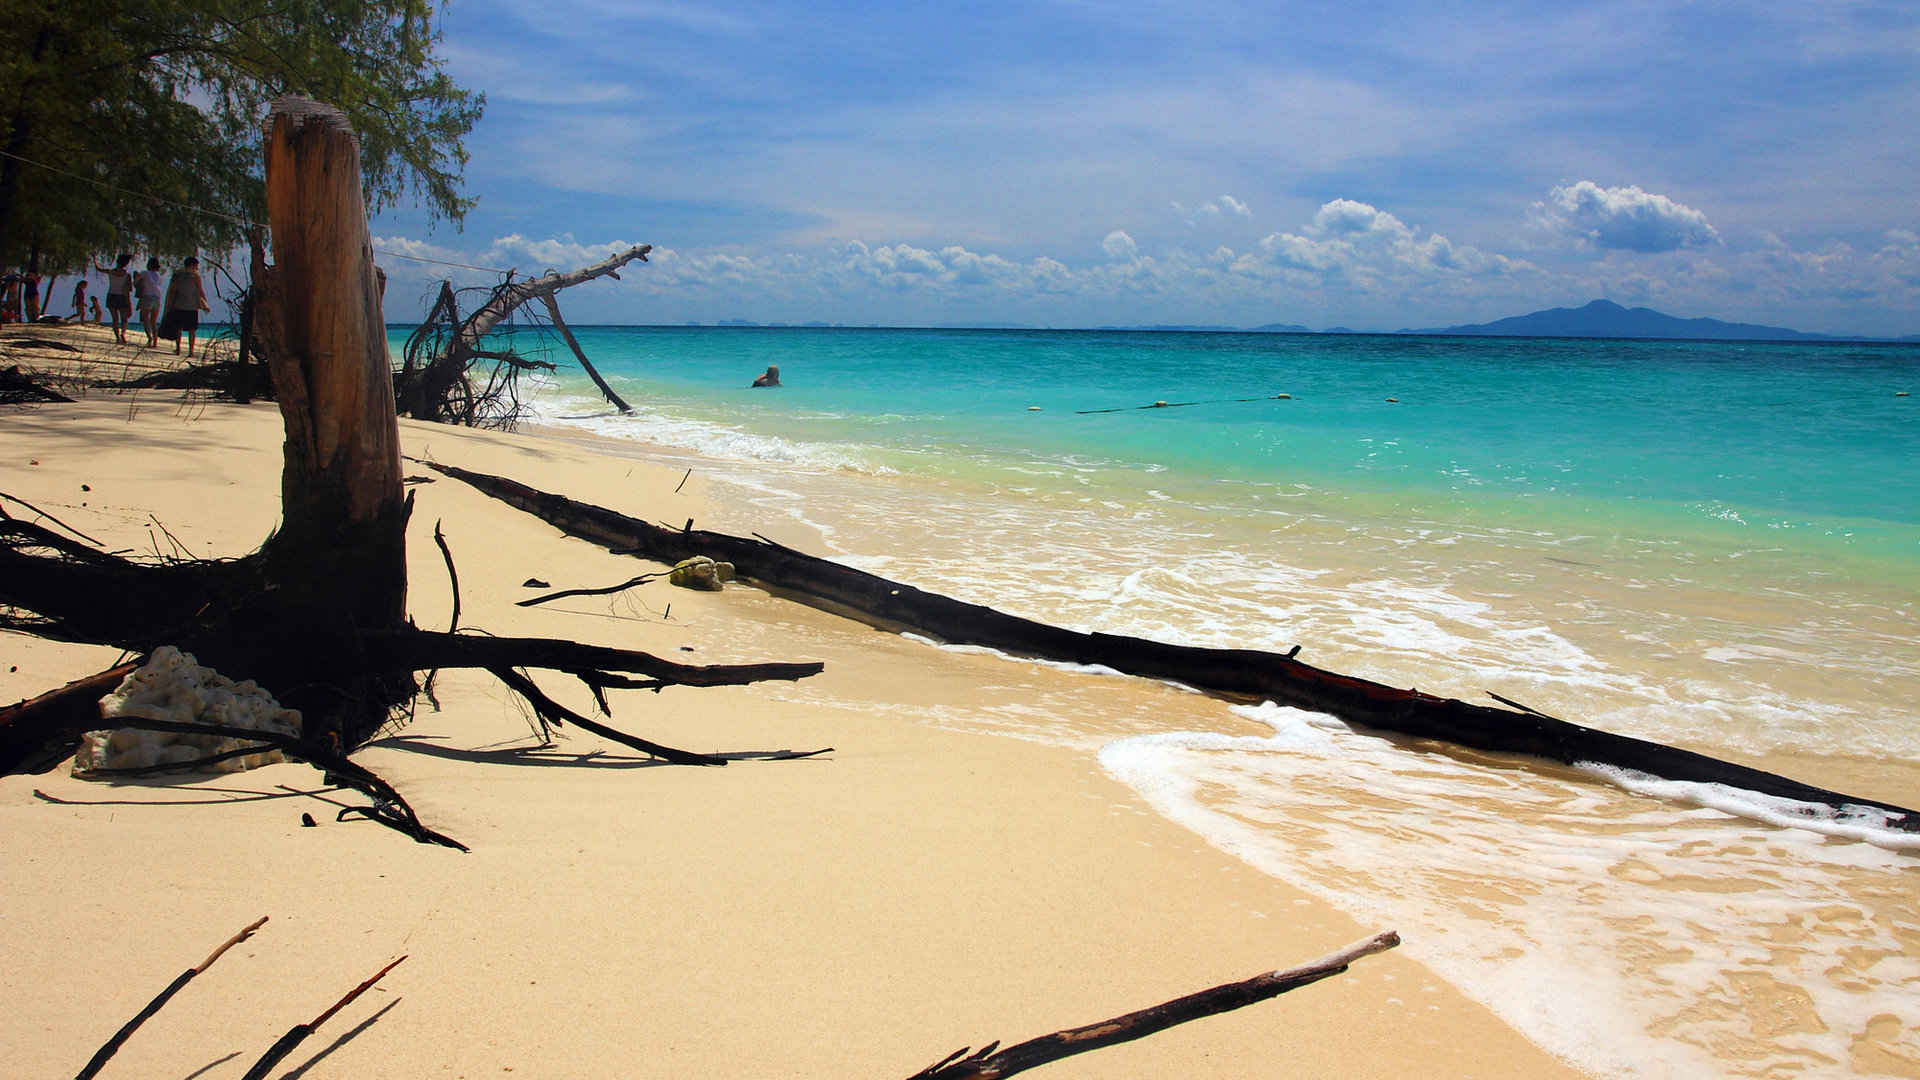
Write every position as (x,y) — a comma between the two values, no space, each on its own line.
(1624,218)
(1346,218)
(532,256)
(1212,211)
(1349,262)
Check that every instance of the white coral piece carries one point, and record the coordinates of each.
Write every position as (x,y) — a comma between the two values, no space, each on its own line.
(172,686)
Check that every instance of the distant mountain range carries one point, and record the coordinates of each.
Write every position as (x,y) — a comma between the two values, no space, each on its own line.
(1599,319)
(1606,319)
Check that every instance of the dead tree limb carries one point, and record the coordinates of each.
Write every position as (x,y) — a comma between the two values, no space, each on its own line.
(28,739)
(560,324)
(607,590)
(1242,673)
(441,387)
(988,1065)
(423,649)
(112,1047)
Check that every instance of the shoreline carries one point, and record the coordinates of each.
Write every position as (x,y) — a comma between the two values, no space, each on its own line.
(922,888)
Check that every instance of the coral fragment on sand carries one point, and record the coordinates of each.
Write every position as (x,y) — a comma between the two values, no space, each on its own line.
(172,686)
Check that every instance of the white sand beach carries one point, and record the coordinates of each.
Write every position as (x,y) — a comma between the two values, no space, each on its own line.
(863,913)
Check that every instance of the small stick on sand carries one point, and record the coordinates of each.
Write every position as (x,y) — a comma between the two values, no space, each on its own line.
(106,1052)
(987,1065)
(298,1033)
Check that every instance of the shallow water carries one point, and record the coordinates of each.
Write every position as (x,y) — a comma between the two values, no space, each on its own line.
(1716,546)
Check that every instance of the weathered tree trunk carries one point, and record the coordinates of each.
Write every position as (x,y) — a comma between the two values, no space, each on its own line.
(339,556)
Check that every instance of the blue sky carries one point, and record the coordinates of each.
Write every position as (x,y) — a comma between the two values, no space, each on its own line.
(1373,165)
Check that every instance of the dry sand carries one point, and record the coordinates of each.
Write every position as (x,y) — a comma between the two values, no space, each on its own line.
(856,915)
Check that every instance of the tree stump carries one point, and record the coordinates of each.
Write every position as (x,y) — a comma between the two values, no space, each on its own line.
(338,559)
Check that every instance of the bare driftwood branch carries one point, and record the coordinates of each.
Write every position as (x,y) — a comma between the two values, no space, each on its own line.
(560,324)
(49,517)
(106,1052)
(1244,673)
(435,381)
(986,1064)
(603,591)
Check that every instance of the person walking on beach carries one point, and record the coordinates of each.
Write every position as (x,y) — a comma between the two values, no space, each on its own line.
(186,299)
(146,286)
(80,299)
(119,294)
(32,279)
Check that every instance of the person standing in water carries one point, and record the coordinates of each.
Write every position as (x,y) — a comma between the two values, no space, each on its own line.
(770,378)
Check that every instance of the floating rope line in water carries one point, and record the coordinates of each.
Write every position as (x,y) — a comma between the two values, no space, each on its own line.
(1184,404)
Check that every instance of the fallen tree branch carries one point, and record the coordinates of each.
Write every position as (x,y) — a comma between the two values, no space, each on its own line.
(49,517)
(564,593)
(988,1065)
(39,733)
(422,649)
(1245,673)
(551,711)
(106,1052)
(560,324)
(20,388)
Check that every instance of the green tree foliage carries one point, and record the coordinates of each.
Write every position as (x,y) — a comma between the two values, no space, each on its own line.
(117,116)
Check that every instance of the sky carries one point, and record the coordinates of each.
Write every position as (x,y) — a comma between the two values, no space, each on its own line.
(1372,165)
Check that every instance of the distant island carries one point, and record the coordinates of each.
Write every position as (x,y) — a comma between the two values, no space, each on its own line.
(1598,319)
(1606,319)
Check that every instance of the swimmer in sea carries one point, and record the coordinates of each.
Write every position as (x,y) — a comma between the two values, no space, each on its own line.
(770,378)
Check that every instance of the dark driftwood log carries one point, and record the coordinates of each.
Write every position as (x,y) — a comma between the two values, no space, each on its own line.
(988,1065)
(1245,673)
(32,732)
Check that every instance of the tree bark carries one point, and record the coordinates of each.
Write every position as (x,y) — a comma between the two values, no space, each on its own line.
(339,556)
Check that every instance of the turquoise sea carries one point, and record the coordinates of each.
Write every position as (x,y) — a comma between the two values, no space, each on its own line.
(1709,544)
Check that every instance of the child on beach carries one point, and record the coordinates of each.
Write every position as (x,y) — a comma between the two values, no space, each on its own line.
(95,301)
(146,285)
(186,299)
(79,300)
(119,295)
